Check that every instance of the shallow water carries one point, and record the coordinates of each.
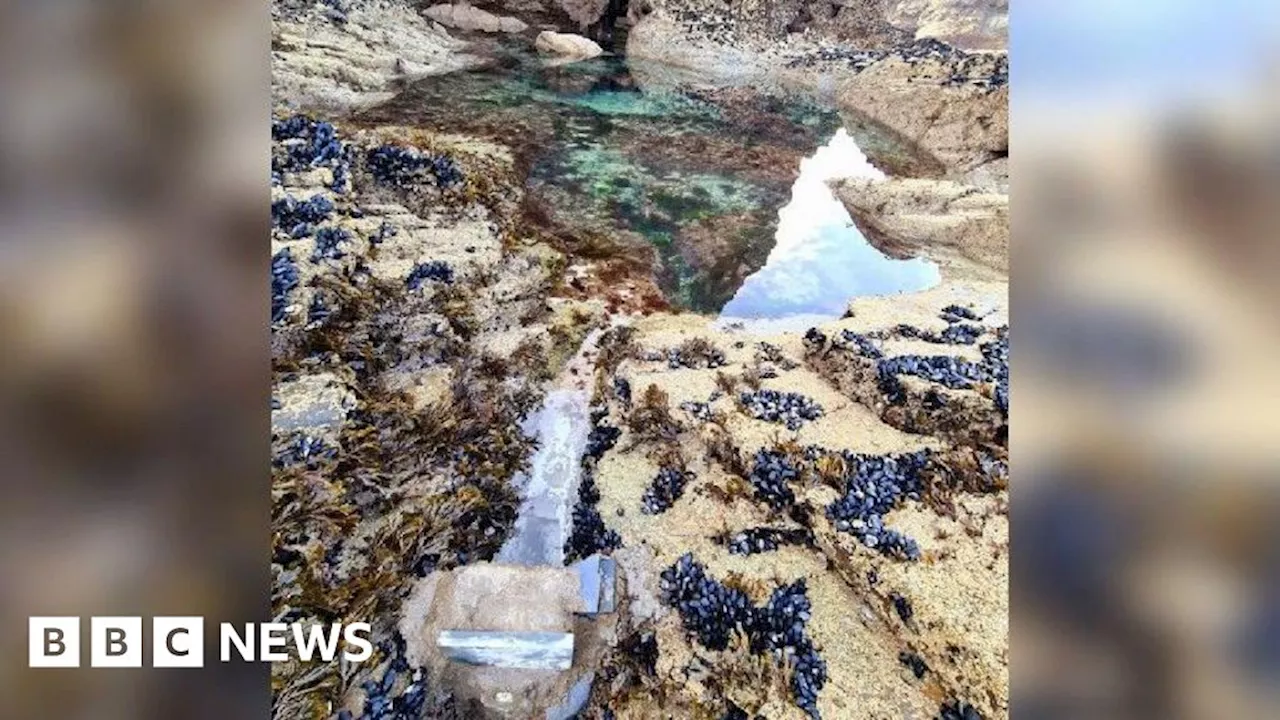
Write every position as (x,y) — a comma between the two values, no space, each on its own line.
(703,177)
(550,488)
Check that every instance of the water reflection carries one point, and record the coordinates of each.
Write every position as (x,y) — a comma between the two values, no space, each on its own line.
(821,259)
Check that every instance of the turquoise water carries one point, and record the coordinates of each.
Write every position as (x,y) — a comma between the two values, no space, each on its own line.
(698,175)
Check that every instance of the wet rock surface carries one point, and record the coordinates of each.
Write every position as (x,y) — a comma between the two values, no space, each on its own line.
(950,222)
(465,17)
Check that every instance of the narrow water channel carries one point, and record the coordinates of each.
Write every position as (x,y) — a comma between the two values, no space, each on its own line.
(550,487)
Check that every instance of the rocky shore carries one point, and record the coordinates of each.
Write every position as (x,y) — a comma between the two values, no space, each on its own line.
(807,524)
(935,71)
(335,56)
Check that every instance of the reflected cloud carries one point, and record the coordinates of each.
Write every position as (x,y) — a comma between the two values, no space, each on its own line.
(821,259)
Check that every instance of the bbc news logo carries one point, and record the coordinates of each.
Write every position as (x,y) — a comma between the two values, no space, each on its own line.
(178,642)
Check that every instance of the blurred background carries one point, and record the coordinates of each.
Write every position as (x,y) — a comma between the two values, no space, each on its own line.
(134,379)
(134,376)
(1145,436)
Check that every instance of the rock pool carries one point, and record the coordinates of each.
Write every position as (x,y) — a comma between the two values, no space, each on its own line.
(722,187)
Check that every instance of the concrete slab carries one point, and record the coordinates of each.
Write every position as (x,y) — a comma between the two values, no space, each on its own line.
(506,600)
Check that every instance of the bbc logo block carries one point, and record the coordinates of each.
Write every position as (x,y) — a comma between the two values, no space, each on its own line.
(116,642)
(53,642)
(177,642)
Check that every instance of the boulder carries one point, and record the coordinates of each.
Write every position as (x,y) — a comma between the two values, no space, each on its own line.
(466,17)
(567,44)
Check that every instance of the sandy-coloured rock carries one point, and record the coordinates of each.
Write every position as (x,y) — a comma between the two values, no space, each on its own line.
(466,17)
(963,127)
(941,219)
(969,24)
(584,12)
(567,44)
(319,64)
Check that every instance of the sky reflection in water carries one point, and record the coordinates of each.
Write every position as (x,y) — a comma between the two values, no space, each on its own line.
(821,259)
